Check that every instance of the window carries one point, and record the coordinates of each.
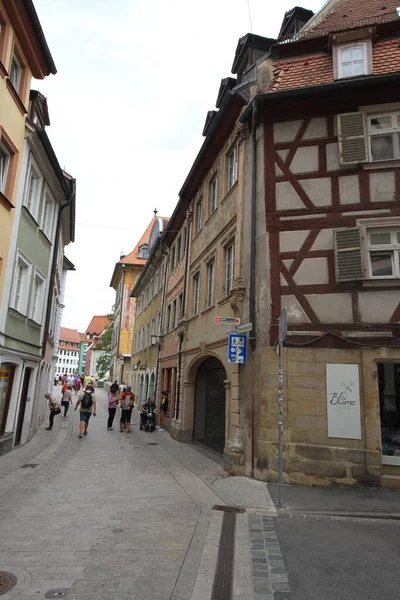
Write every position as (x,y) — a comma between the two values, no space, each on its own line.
(352,60)
(148,334)
(172,258)
(384,136)
(196,289)
(37,297)
(210,284)
(178,249)
(229,268)
(232,167)
(157,282)
(47,218)
(212,195)
(15,73)
(61,343)
(180,306)
(21,283)
(199,215)
(88,336)
(173,323)
(32,189)
(384,253)
(143,251)
(168,318)
(4,164)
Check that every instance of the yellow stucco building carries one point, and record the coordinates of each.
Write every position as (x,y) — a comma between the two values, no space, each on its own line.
(23,54)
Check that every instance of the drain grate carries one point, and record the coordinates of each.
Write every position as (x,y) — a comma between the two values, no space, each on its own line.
(152,444)
(223,578)
(29,466)
(56,594)
(7,582)
(229,509)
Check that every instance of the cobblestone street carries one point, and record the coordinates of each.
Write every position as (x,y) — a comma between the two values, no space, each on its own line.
(116,516)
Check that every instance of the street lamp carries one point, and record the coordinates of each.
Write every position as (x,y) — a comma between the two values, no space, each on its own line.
(153,339)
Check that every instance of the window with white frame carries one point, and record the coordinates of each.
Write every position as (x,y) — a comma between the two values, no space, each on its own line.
(384,253)
(37,296)
(352,60)
(48,216)
(210,283)
(212,195)
(4,165)
(229,268)
(32,190)
(15,73)
(196,292)
(21,282)
(199,215)
(384,136)
(143,251)
(232,167)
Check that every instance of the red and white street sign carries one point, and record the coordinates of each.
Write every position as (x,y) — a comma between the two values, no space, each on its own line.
(226,321)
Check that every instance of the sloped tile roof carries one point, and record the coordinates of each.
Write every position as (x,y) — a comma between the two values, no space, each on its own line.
(69,335)
(97,325)
(317,69)
(350,11)
(132,258)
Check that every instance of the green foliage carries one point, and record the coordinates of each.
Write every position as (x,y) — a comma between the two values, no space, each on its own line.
(104,344)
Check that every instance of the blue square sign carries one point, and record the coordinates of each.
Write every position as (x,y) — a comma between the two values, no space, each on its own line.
(237,348)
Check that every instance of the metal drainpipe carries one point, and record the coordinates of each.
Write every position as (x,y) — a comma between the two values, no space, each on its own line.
(178,382)
(53,269)
(253,273)
(161,321)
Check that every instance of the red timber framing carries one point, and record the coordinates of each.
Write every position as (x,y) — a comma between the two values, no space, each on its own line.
(314,219)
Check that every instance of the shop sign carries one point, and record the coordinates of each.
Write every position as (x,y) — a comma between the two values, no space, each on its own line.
(343,401)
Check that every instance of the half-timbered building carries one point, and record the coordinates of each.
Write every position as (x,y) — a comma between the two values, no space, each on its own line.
(326,163)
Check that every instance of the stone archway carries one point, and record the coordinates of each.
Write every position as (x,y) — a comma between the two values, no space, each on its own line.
(209,419)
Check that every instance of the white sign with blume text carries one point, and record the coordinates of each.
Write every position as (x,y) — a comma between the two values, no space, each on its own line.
(343,401)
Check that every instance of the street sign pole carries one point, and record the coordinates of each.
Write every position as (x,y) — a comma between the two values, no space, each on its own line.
(282,335)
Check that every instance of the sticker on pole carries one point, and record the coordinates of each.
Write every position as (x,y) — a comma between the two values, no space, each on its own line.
(237,348)
(283,324)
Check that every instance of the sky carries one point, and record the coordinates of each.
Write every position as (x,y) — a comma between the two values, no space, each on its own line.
(127,107)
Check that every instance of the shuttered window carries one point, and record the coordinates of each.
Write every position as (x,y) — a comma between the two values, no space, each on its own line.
(352,138)
(348,255)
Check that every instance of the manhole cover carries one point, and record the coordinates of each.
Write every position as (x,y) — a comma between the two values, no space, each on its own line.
(56,594)
(29,466)
(152,444)
(229,509)
(7,582)
(118,530)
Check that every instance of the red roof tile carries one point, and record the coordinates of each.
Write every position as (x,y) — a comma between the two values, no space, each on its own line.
(346,13)
(316,69)
(97,325)
(69,335)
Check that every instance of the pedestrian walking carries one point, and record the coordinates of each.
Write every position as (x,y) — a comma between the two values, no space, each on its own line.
(122,388)
(66,401)
(87,380)
(163,409)
(87,404)
(113,397)
(54,410)
(127,404)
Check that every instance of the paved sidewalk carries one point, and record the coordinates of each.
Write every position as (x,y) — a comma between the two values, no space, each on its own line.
(115,516)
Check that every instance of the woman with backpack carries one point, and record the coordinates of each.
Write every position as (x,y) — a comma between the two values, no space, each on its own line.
(127,404)
(113,396)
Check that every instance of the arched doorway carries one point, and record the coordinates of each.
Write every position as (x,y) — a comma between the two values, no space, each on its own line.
(152,386)
(141,384)
(209,405)
(146,387)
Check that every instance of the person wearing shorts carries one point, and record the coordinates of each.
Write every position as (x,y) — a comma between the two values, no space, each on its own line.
(85,412)
(127,403)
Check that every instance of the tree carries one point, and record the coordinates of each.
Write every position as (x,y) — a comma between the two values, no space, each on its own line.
(104,344)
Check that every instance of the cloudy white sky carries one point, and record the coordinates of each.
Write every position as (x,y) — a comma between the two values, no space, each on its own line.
(127,107)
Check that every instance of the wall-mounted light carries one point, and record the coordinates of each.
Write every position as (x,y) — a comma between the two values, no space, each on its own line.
(153,339)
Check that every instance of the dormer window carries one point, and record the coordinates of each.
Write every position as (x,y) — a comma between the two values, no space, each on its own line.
(352,60)
(88,336)
(143,251)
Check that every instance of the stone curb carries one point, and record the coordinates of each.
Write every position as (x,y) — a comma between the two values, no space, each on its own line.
(342,514)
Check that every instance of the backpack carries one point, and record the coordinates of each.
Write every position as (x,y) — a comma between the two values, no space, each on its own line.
(87,400)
